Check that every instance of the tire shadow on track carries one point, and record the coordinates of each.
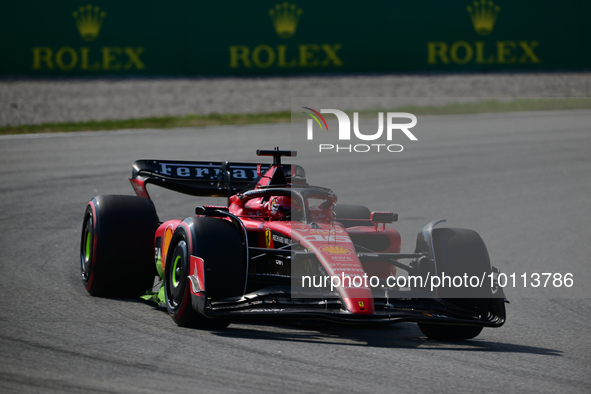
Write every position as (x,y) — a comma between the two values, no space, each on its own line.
(401,336)
(404,335)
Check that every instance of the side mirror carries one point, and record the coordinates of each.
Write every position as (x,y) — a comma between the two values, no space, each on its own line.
(383,217)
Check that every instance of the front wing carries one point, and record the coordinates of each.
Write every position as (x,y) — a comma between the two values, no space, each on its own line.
(277,302)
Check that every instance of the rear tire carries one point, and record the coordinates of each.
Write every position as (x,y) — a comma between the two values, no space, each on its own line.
(117,246)
(460,251)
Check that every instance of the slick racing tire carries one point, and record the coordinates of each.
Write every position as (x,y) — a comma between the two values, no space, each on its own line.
(449,332)
(218,242)
(360,213)
(117,246)
(458,252)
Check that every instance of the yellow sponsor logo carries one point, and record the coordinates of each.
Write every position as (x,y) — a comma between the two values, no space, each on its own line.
(268,239)
(89,20)
(499,52)
(108,58)
(285,19)
(265,56)
(483,15)
(336,250)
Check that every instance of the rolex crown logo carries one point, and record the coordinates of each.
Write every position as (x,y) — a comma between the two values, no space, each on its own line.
(89,20)
(484,16)
(285,19)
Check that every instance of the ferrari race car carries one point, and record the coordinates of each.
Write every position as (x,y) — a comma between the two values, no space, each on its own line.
(280,249)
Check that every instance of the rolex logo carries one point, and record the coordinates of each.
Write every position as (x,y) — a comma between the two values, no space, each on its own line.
(285,19)
(484,15)
(89,20)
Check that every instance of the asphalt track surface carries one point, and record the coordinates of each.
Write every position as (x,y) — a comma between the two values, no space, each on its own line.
(523,182)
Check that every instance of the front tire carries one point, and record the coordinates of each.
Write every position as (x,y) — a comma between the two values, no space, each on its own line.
(449,332)
(460,251)
(218,242)
(176,284)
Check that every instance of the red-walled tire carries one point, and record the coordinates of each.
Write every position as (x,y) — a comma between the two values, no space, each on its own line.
(117,246)
(218,242)
(176,283)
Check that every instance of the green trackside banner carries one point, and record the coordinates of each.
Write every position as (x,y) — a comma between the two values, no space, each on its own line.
(201,38)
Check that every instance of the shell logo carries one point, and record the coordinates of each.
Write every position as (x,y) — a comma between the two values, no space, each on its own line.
(336,250)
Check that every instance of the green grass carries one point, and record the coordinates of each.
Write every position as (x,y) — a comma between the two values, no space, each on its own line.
(166,122)
(163,122)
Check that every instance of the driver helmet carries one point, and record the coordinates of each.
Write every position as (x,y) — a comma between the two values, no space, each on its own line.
(278,207)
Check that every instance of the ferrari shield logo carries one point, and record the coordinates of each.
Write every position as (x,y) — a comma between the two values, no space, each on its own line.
(268,238)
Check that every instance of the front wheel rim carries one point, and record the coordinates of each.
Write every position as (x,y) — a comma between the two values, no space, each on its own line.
(175,285)
(86,250)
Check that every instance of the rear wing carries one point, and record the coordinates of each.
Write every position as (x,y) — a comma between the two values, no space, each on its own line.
(204,178)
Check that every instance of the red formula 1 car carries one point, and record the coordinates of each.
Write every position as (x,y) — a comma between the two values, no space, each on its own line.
(281,249)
